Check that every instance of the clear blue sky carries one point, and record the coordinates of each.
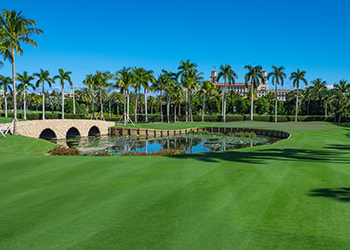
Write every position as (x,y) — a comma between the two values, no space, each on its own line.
(84,36)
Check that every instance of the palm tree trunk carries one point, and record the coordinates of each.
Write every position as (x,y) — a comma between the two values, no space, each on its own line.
(151,108)
(296,106)
(128,107)
(135,111)
(308,107)
(191,116)
(203,109)
(224,105)
(6,115)
(175,114)
(276,101)
(186,108)
(93,105)
(43,102)
(325,109)
(73,99)
(101,104)
(251,101)
(109,105)
(167,107)
(24,104)
(145,93)
(62,102)
(125,108)
(14,93)
(87,107)
(161,107)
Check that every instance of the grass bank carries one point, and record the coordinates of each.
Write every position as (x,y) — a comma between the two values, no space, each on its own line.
(294,194)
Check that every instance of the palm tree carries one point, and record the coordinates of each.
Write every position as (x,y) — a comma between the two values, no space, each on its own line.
(277,76)
(124,79)
(43,77)
(101,81)
(14,29)
(142,78)
(297,77)
(229,77)
(194,78)
(184,69)
(25,80)
(5,82)
(63,76)
(90,82)
(85,95)
(37,99)
(343,87)
(317,89)
(254,76)
(207,87)
(152,100)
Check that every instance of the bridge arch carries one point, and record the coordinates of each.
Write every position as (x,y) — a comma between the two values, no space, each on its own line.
(94,131)
(72,132)
(48,134)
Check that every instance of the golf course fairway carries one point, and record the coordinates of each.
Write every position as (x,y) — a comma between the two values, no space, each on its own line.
(294,194)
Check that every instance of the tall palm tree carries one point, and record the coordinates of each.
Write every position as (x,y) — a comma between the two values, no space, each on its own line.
(278,77)
(184,70)
(85,95)
(63,76)
(43,77)
(90,82)
(194,78)
(142,78)
(5,82)
(124,79)
(343,87)
(25,80)
(14,29)
(101,81)
(152,100)
(254,76)
(229,77)
(317,89)
(297,76)
(207,88)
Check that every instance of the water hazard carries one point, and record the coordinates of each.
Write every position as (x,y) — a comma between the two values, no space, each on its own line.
(192,144)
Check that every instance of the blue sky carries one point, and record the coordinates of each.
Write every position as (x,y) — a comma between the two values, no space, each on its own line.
(107,35)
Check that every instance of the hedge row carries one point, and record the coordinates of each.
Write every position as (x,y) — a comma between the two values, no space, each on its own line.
(229,118)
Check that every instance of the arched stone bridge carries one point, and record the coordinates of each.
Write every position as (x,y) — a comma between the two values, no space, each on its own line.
(63,128)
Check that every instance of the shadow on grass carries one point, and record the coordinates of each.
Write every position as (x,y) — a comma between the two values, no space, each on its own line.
(269,156)
(340,194)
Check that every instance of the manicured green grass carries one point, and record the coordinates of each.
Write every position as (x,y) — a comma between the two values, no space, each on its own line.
(238,124)
(7,119)
(294,194)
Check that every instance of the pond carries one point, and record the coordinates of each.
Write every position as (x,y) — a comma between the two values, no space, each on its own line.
(192,144)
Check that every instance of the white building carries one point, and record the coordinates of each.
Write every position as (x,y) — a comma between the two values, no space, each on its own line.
(241,88)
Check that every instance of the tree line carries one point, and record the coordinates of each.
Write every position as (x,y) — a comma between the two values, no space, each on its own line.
(183,89)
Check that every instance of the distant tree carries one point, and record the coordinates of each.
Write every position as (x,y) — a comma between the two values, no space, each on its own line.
(5,82)
(254,76)
(25,80)
(277,76)
(53,102)
(229,77)
(43,77)
(343,87)
(297,76)
(63,77)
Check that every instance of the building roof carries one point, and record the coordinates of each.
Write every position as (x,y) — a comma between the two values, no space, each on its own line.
(236,84)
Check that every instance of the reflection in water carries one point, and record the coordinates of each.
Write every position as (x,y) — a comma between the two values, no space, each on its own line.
(192,144)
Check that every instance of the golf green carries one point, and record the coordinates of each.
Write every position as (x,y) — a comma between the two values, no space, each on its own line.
(294,194)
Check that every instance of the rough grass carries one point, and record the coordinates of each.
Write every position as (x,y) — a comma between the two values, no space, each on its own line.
(294,194)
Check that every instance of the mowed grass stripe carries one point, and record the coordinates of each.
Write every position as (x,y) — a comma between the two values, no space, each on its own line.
(254,198)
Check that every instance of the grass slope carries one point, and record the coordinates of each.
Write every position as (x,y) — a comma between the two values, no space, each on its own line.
(294,194)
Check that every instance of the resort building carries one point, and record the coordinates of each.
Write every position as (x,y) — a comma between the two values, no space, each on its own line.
(241,88)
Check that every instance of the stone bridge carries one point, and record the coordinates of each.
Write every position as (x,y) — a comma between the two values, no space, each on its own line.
(63,128)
